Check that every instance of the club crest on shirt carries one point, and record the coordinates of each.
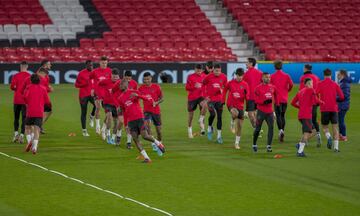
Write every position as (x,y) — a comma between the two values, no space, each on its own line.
(216,85)
(128,103)
(236,95)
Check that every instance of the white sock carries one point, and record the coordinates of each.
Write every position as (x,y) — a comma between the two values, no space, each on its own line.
(318,134)
(104,127)
(157,142)
(35,144)
(237,139)
(32,135)
(210,129)
(84,131)
(16,133)
(190,130)
(219,134)
(328,135)
(113,136)
(301,147)
(97,122)
(336,144)
(143,152)
(201,118)
(129,137)
(281,131)
(108,132)
(21,135)
(28,138)
(118,133)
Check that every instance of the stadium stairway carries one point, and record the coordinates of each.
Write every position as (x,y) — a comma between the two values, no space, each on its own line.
(233,34)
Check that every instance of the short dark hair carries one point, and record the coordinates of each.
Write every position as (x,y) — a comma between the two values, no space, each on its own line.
(104,58)
(327,72)
(127,73)
(198,66)
(210,64)
(35,79)
(308,67)
(306,80)
(252,61)
(24,63)
(115,71)
(42,70)
(88,61)
(343,72)
(278,65)
(43,62)
(239,72)
(147,74)
(217,66)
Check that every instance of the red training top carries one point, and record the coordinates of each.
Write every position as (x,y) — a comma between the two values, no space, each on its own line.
(97,75)
(283,83)
(214,86)
(130,105)
(304,100)
(238,93)
(35,98)
(154,93)
(17,84)
(84,83)
(108,96)
(310,75)
(253,78)
(328,90)
(194,86)
(265,92)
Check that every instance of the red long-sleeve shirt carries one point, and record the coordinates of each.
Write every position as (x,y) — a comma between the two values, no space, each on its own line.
(17,84)
(133,85)
(35,98)
(151,92)
(304,100)
(328,90)
(84,83)
(310,75)
(238,93)
(108,96)
(283,83)
(214,86)
(130,105)
(194,86)
(253,78)
(97,75)
(265,92)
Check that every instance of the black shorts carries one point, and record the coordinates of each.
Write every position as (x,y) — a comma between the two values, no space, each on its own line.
(155,118)
(307,125)
(250,105)
(112,109)
(214,105)
(241,112)
(136,126)
(34,121)
(192,105)
(88,99)
(327,117)
(47,108)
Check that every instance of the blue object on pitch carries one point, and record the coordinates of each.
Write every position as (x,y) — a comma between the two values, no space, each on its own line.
(329,143)
(109,140)
(209,135)
(219,140)
(154,147)
(297,146)
(302,154)
(255,148)
(159,152)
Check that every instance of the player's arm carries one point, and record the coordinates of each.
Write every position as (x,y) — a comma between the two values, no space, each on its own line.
(160,95)
(47,99)
(258,97)
(80,82)
(226,89)
(295,101)
(340,94)
(13,84)
(247,92)
(189,85)
(291,83)
(104,82)
(276,96)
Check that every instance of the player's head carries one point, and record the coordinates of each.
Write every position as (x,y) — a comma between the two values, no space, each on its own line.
(209,67)
(115,74)
(198,69)
(266,78)
(278,65)
(239,73)
(147,78)
(342,74)
(124,84)
(45,64)
(327,72)
(217,70)
(307,67)
(128,75)
(103,62)
(251,62)
(89,65)
(24,66)
(42,72)
(35,79)
(308,82)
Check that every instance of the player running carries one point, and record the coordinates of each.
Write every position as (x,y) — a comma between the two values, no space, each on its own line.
(283,84)
(316,80)
(194,87)
(134,86)
(344,82)
(265,95)
(17,83)
(253,78)
(35,98)
(304,101)
(45,81)
(110,105)
(85,86)
(129,104)
(214,85)
(100,73)
(328,92)
(238,92)
(151,107)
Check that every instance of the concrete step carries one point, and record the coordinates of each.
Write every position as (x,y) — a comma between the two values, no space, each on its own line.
(222,26)
(217,19)
(244,58)
(233,39)
(204,1)
(236,46)
(242,53)
(213,13)
(207,7)
(225,33)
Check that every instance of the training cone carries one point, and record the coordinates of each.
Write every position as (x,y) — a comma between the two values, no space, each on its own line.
(278,156)
(72,134)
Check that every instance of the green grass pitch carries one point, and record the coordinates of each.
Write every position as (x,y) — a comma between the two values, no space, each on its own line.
(195,177)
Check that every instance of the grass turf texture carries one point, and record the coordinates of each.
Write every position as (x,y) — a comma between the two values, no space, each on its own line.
(195,177)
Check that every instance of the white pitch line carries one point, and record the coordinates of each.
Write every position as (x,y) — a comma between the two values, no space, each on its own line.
(87,184)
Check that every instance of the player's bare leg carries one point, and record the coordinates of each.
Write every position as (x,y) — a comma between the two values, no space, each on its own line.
(190,119)
(108,121)
(303,142)
(119,126)
(29,137)
(335,129)
(203,109)
(144,155)
(35,141)
(128,138)
(97,116)
(146,136)
(238,122)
